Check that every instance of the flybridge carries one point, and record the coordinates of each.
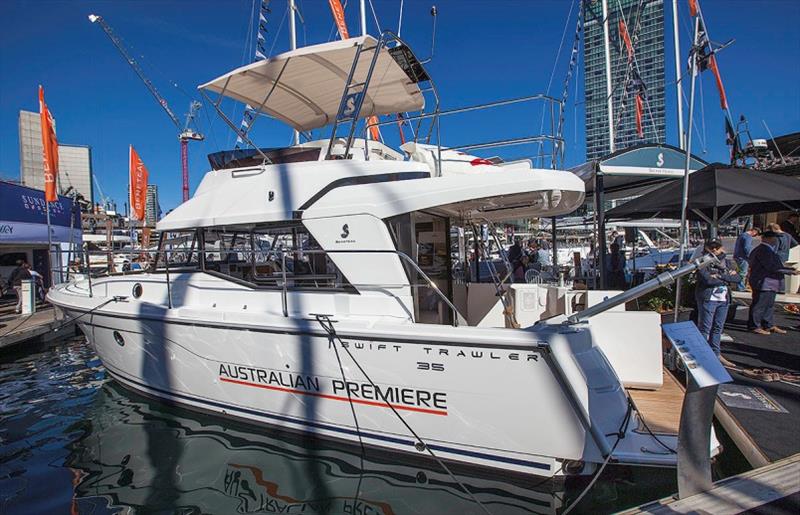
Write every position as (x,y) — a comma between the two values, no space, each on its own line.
(303,87)
(340,83)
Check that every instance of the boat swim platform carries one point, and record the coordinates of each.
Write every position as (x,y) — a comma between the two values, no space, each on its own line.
(40,327)
(774,488)
(660,409)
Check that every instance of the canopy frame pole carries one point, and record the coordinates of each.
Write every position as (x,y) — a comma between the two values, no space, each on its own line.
(685,195)
(234,128)
(729,213)
(600,250)
(702,216)
(266,98)
(293,46)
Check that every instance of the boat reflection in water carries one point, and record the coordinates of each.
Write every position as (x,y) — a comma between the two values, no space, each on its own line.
(150,457)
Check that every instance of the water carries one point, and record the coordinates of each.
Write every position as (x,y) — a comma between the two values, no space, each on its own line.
(73,441)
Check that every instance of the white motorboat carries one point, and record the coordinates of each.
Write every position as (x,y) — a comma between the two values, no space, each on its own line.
(327,329)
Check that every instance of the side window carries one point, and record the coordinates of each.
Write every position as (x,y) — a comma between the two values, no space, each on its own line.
(179,249)
(265,255)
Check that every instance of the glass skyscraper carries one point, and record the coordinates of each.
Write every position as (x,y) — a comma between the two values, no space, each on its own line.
(645,23)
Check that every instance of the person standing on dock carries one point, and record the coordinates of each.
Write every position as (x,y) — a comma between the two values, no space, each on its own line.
(789,226)
(741,251)
(713,295)
(785,242)
(766,280)
(19,274)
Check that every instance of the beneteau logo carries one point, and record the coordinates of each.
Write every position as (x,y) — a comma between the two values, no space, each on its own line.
(345,234)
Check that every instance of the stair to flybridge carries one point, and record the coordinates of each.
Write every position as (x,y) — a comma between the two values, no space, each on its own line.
(352,101)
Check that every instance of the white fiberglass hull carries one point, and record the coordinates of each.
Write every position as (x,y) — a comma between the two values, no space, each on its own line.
(507,399)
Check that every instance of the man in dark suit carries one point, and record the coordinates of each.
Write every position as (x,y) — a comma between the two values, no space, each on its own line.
(789,226)
(766,280)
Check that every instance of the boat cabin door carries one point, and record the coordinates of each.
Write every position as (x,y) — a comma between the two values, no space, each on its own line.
(425,238)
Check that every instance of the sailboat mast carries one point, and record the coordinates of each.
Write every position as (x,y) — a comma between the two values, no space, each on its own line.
(363,11)
(293,43)
(685,195)
(609,95)
(678,83)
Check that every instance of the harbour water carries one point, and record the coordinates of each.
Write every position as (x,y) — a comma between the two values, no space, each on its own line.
(73,441)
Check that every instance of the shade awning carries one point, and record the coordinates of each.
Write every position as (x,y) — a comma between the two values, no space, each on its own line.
(716,193)
(311,81)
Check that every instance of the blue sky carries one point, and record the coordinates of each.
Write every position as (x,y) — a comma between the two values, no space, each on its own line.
(485,50)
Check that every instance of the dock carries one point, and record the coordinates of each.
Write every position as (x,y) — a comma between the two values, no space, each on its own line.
(775,488)
(761,412)
(40,327)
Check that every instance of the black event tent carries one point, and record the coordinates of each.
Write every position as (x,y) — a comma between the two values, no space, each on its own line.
(716,193)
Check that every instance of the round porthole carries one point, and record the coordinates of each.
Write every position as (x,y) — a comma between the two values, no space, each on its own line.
(137,290)
(119,339)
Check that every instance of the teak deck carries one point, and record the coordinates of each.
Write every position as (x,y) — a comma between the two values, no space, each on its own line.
(661,409)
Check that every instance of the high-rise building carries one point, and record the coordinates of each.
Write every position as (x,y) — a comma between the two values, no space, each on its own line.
(75,169)
(644,20)
(74,161)
(151,206)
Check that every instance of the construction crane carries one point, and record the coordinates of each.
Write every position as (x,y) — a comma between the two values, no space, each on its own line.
(186,133)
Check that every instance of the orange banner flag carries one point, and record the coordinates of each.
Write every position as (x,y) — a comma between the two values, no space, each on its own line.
(712,63)
(639,113)
(693,7)
(138,186)
(338,17)
(623,30)
(50,150)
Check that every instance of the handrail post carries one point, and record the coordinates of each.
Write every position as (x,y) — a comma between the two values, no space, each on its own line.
(87,254)
(283,292)
(169,290)
(435,288)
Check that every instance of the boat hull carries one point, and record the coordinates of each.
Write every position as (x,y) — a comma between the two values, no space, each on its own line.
(461,400)
(539,402)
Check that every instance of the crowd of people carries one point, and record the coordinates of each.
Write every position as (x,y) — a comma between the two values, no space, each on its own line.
(758,266)
(534,256)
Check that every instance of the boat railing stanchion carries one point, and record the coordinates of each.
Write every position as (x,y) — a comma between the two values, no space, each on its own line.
(89,271)
(283,286)
(432,285)
(166,268)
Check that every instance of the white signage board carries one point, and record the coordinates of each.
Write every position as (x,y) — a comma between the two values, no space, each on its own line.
(700,360)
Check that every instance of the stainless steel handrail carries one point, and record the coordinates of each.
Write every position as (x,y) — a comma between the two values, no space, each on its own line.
(557,141)
(457,317)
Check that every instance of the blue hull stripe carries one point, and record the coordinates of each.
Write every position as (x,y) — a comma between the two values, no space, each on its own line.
(327,427)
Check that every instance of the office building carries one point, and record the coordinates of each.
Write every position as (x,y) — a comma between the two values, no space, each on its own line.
(74,161)
(645,23)
(151,214)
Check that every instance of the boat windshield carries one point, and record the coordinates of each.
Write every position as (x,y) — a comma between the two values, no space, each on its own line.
(241,158)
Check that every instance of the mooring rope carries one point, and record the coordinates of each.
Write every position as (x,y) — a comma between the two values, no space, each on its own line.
(327,324)
(117,298)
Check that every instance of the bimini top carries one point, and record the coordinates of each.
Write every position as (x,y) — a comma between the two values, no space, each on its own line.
(312,79)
